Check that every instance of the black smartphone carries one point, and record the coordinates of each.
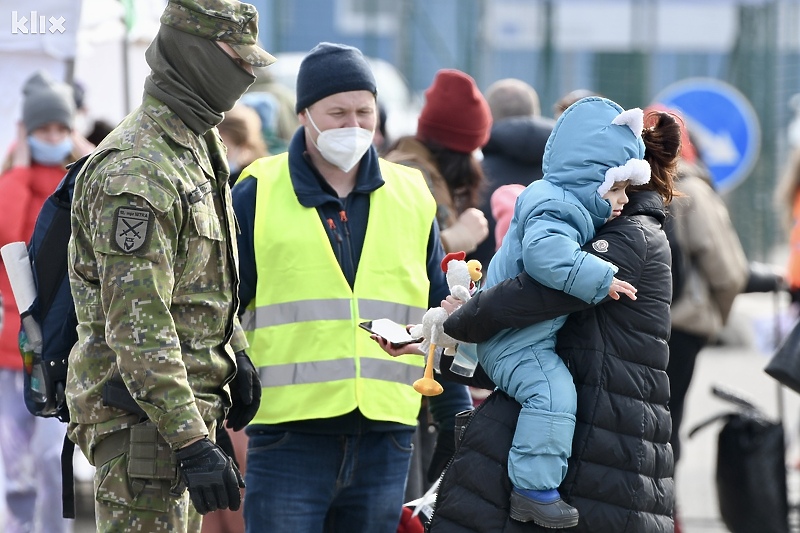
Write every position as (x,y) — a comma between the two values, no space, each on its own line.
(389,330)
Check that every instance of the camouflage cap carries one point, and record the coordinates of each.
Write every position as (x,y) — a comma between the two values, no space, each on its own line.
(229,21)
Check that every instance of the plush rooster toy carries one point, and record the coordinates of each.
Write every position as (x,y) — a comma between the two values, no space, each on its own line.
(461,278)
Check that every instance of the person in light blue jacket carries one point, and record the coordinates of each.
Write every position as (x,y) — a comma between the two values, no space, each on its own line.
(594,152)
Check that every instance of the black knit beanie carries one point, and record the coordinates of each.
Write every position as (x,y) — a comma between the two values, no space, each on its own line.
(329,69)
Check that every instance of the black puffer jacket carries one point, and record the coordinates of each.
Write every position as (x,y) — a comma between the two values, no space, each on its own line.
(620,472)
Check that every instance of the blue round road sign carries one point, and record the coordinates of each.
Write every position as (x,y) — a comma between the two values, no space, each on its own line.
(724,126)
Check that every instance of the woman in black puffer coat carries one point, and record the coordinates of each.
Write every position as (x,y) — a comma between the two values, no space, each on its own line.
(620,473)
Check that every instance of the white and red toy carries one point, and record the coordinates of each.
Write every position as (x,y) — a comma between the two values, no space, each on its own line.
(461,278)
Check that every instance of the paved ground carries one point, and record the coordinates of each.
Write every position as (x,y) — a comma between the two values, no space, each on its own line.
(738,365)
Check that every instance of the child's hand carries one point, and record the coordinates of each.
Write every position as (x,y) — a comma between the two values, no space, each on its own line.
(450,304)
(619,287)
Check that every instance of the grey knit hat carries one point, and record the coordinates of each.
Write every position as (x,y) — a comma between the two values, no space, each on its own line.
(331,68)
(46,100)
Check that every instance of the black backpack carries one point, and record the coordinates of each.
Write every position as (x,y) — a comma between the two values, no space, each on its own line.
(52,310)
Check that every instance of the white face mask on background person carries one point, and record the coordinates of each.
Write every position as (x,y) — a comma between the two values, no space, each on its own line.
(342,147)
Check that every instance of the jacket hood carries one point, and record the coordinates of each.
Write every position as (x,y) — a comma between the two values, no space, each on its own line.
(520,139)
(594,144)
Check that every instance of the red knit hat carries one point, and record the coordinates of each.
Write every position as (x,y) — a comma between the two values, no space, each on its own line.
(455,114)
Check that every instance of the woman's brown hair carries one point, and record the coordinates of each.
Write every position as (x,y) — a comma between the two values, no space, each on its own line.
(462,172)
(662,142)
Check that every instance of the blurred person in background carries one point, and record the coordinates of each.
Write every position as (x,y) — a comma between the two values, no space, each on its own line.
(570,98)
(100,130)
(787,198)
(30,445)
(241,134)
(515,149)
(454,122)
(380,140)
(274,104)
(94,129)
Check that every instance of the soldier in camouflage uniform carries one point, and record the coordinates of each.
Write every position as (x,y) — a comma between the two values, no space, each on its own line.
(160,357)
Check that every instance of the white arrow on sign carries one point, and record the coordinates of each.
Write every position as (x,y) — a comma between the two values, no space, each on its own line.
(717,149)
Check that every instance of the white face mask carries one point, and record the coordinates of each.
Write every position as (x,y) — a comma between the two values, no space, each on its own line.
(342,147)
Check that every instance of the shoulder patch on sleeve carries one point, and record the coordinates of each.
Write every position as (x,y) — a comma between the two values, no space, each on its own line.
(132,229)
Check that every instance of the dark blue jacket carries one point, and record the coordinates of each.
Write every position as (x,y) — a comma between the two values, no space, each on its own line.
(347,240)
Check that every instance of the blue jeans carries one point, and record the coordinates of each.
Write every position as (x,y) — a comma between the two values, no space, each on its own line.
(306,483)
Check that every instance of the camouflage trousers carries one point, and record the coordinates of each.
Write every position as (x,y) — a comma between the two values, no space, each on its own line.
(137,486)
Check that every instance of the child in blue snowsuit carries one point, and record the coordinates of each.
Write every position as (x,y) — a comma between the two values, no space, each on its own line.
(594,145)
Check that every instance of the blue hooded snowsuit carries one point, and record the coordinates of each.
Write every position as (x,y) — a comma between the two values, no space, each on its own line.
(552,219)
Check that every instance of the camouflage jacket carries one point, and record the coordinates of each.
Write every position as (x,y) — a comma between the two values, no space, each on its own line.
(153,272)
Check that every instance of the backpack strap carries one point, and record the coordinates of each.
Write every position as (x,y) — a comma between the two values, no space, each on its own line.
(67,479)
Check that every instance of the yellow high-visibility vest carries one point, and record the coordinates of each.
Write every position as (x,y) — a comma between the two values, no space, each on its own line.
(313,359)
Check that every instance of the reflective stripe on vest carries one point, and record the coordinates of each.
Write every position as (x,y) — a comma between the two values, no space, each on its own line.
(320,371)
(314,360)
(288,312)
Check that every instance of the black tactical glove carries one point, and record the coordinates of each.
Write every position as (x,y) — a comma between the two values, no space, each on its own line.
(223,440)
(444,450)
(212,480)
(245,393)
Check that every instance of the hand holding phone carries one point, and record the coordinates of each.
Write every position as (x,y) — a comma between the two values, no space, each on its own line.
(390,330)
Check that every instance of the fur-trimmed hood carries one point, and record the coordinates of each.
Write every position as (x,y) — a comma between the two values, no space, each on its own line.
(594,144)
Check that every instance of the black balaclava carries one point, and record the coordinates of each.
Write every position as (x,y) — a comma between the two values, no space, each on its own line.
(194,77)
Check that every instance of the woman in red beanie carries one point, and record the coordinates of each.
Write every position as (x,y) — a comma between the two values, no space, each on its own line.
(454,122)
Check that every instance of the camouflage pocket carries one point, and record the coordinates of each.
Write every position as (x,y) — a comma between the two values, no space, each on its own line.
(114,487)
(206,221)
(150,457)
(142,475)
